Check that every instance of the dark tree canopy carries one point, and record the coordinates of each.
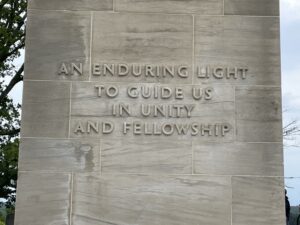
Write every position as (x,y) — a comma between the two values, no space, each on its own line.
(12,40)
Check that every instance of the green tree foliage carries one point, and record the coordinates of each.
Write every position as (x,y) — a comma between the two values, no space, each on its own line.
(12,40)
(8,171)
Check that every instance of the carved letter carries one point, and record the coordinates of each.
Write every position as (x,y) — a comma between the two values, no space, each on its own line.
(92,126)
(225,128)
(202,72)
(179,93)
(132,92)
(168,70)
(112,91)
(182,128)
(189,109)
(160,109)
(124,108)
(208,93)
(167,129)
(146,93)
(197,93)
(114,110)
(63,70)
(107,127)
(96,69)
(149,71)
(135,72)
(244,72)
(123,70)
(79,128)
(126,127)
(77,69)
(232,72)
(156,130)
(218,73)
(195,129)
(99,89)
(137,128)
(206,129)
(110,68)
(166,92)
(145,110)
(148,131)
(178,110)
(183,71)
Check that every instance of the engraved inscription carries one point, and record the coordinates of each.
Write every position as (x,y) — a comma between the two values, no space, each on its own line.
(164,110)
(154,129)
(138,70)
(70,69)
(222,72)
(155,71)
(150,102)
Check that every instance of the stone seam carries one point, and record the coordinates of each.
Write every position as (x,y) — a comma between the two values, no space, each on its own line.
(91,45)
(71,199)
(153,13)
(161,84)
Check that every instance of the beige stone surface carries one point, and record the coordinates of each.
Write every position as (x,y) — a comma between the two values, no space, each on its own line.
(258,159)
(173,166)
(256,197)
(56,37)
(142,39)
(151,200)
(95,5)
(203,7)
(231,41)
(252,7)
(157,155)
(45,109)
(258,114)
(61,155)
(43,198)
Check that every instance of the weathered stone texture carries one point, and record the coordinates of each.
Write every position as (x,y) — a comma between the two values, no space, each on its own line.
(148,200)
(43,198)
(203,7)
(143,39)
(251,42)
(252,7)
(258,114)
(146,155)
(45,109)
(94,5)
(60,155)
(229,172)
(253,198)
(258,159)
(55,37)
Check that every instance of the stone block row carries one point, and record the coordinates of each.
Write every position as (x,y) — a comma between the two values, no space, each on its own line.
(140,199)
(152,39)
(151,156)
(51,110)
(201,7)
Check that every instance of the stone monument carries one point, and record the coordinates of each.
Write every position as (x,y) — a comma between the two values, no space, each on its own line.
(146,112)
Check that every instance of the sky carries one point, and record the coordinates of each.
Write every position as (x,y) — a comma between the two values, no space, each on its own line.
(290,62)
(290,59)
